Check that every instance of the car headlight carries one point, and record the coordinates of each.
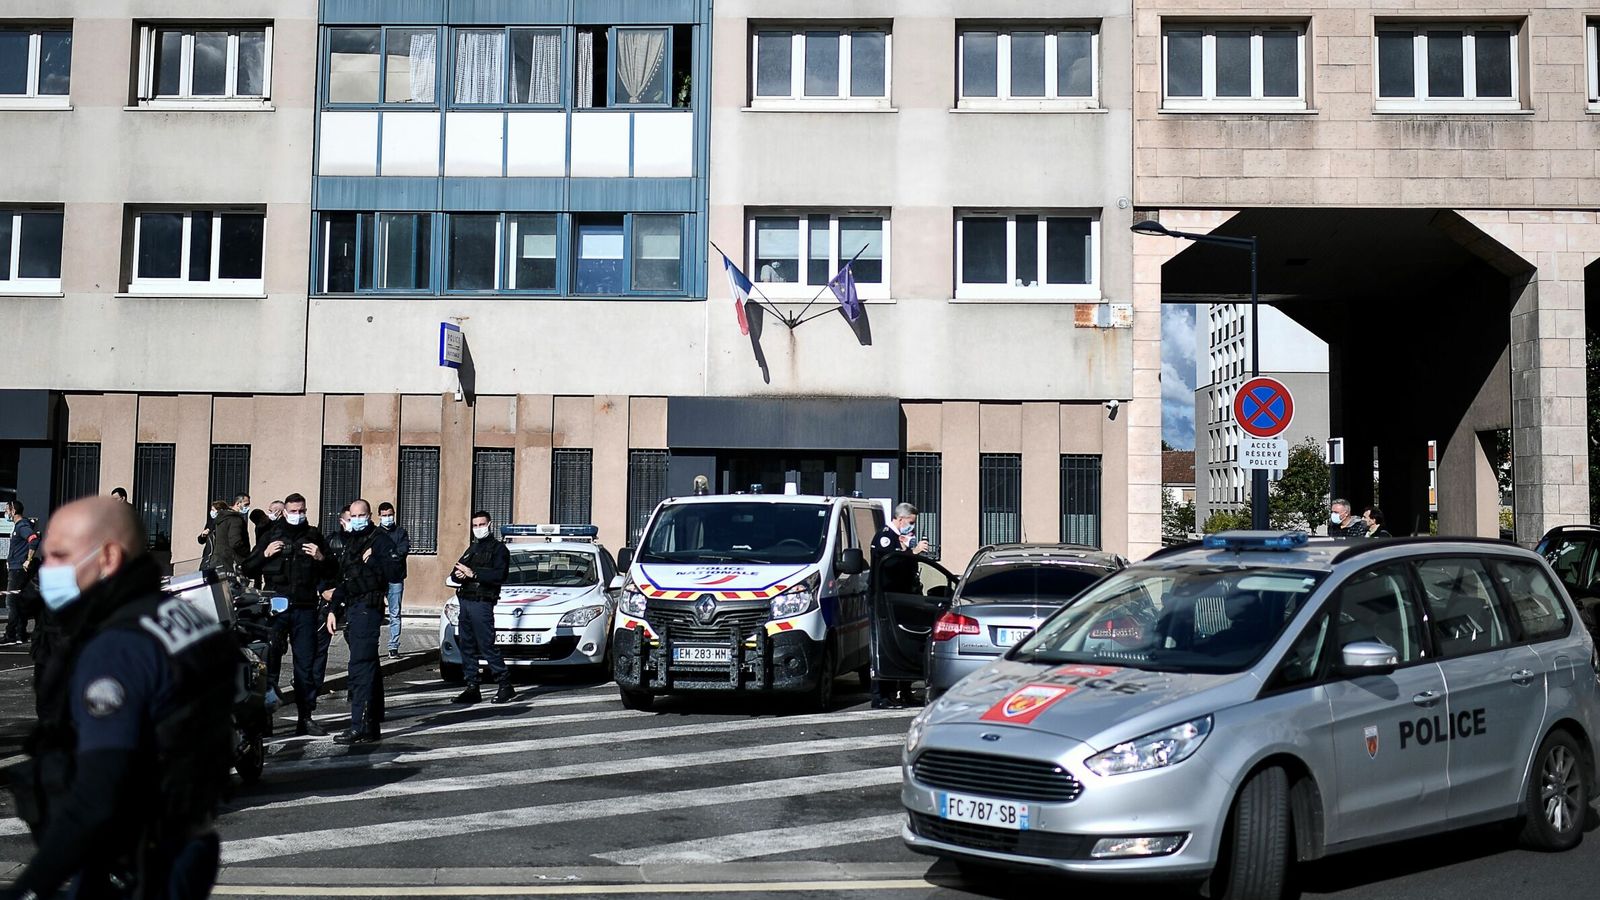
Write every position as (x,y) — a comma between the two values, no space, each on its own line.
(581,617)
(633,601)
(916,732)
(452,611)
(797,601)
(1153,751)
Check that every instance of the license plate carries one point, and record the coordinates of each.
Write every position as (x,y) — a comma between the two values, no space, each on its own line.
(1006,637)
(983,811)
(701,654)
(521,637)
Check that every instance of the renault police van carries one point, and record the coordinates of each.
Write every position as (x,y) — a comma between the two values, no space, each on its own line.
(748,592)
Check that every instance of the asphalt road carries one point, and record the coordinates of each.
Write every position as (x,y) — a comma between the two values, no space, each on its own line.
(564,793)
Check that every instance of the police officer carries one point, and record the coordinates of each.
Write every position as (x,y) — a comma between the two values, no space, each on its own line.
(480,572)
(294,560)
(134,743)
(896,573)
(368,563)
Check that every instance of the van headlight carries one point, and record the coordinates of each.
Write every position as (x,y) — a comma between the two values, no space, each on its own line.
(581,617)
(798,600)
(633,601)
(452,611)
(1153,751)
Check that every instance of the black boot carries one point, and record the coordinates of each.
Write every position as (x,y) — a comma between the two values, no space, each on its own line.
(352,736)
(506,693)
(308,727)
(469,696)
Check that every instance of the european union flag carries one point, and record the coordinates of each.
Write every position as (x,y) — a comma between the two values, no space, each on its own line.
(843,286)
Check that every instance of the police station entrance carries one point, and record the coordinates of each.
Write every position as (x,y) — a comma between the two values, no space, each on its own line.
(828,475)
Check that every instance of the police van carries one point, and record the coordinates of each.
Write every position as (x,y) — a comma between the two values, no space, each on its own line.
(746,592)
(555,606)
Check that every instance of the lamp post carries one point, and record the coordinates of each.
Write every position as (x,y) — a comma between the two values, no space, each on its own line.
(1258,477)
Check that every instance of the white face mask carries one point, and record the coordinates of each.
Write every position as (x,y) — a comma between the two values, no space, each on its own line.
(213,514)
(294,518)
(480,531)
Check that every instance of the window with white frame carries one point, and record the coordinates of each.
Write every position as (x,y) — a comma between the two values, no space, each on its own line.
(35,65)
(841,64)
(796,253)
(1449,66)
(30,251)
(199,251)
(205,63)
(1047,65)
(1225,64)
(1027,254)
(1592,39)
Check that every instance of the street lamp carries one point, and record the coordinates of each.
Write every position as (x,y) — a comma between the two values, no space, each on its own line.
(1258,477)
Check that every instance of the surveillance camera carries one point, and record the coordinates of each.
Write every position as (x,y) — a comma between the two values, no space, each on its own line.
(1112,405)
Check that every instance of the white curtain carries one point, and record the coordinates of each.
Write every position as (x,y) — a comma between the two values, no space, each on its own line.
(639,56)
(544,70)
(585,69)
(424,65)
(480,66)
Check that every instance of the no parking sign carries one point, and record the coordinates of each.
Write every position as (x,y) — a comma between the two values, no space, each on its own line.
(1264,407)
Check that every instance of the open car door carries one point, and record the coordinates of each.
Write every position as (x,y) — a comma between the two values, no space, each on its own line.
(903,613)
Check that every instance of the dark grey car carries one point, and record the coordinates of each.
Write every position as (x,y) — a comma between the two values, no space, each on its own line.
(1008,589)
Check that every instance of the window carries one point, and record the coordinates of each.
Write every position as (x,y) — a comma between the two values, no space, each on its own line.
(474,253)
(1378,605)
(341,483)
(571,486)
(1000,498)
(35,65)
(1592,32)
(80,471)
(419,497)
(152,491)
(1463,612)
(807,249)
(632,67)
(633,253)
(482,76)
(197,251)
(1039,64)
(396,66)
(230,471)
(1457,66)
(921,482)
(1021,255)
(494,482)
(829,64)
(377,252)
(647,487)
(1234,64)
(204,64)
(1537,603)
(1080,499)
(30,251)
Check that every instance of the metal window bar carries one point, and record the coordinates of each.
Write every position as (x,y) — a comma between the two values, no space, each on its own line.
(1080,499)
(494,482)
(647,487)
(1000,498)
(419,497)
(80,471)
(341,483)
(230,471)
(921,481)
(571,486)
(152,491)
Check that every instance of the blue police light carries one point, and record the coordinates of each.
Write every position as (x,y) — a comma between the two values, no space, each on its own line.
(549,532)
(1254,540)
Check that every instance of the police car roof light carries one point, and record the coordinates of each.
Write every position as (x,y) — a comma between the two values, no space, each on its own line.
(1254,540)
(550,532)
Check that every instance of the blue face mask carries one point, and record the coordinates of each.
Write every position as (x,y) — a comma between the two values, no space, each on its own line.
(907,529)
(58,584)
(360,523)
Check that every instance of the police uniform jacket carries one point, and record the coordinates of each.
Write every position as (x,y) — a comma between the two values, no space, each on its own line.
(897,572)
(291,573)
(368,564)
(134,745)
(489,561)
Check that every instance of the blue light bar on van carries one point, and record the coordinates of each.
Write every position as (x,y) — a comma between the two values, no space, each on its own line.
(549,532)
(1254,540)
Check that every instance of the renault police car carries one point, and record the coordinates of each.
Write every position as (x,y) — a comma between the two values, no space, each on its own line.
(555,607)
(1221,710)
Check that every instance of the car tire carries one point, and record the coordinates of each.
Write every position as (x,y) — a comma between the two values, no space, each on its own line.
(643,701)
(821,697)
(1556,796)
(450,673)
(1255,859)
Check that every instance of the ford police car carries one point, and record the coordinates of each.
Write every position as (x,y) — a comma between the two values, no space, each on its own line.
(555,607)
(1222,710)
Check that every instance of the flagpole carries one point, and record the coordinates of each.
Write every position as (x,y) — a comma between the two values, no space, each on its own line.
(798,319)
(769,306)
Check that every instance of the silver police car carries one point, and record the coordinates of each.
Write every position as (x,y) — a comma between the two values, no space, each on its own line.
(1222,710)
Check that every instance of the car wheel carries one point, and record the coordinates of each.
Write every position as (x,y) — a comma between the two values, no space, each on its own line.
(1255,860)
(822,695)
(450,673)
(640,700)
(1557,796)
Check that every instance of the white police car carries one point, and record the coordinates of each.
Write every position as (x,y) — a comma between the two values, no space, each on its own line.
(555,607)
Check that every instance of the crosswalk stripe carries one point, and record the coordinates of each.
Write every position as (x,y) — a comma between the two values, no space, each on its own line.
(368,760)
(589,770)
(542,698)
(692,889)
(321,747)
(751,844)
(389,833)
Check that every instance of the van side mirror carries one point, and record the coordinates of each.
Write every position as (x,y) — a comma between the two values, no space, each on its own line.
(1369,658)
(624,559)
(852,562)
(617,581)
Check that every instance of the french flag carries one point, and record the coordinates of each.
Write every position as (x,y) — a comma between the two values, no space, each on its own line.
(741,291)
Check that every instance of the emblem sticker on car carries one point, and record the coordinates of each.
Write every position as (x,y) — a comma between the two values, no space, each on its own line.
(1026,703)
(1371,733)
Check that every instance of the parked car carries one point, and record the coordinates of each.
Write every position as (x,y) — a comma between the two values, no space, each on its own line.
(1007,590)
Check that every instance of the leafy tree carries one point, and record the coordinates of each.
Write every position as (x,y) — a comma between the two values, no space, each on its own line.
(1177,519)
(1166,446)
(1300,498)
(1228,520)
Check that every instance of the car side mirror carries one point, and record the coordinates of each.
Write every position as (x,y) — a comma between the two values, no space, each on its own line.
(852,562)
(624,559)
(1369,658)
(617,581)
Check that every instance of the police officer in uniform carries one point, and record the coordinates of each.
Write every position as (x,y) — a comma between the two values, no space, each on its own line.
(480,572)
(294,560)
(896,573)
(368,563)
(134,743)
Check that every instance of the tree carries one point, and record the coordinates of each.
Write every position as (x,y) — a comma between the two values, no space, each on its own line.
(1166,446)
(1227,520)
(1177,519)
(1300,498)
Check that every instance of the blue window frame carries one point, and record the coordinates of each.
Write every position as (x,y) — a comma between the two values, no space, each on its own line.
(375,66)
(641,67)
(376,252)
(501,253)
(627,254)
(509,67)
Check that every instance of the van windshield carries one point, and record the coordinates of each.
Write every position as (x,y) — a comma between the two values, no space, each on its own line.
(737,532)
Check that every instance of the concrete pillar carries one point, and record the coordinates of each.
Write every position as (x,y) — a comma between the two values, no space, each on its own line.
(119,431)
(191,474)
(535,419)
(1041,471)
(455,475)
(959,438)
(610,471)
(380,448)
(1469,494)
